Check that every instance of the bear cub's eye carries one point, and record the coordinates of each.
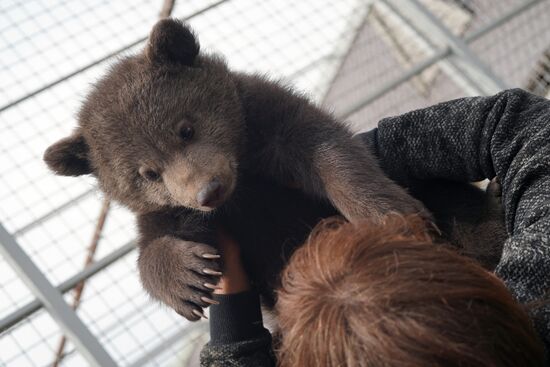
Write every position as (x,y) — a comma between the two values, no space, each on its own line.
(149,174)
(186,132)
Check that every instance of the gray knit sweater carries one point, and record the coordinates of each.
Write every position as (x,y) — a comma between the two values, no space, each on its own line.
(469,139)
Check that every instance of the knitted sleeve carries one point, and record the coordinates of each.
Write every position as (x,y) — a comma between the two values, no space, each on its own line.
(469,139)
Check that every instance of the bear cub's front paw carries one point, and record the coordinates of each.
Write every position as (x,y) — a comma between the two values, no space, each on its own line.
(181,274)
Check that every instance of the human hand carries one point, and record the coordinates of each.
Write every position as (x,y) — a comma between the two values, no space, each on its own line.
(234,278)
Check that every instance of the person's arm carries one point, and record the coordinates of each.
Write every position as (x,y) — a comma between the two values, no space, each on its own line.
(469,139)
(237,335)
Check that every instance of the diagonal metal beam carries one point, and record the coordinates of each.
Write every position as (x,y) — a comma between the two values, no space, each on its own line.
(394,83)
(52,213)
(178,336)
(79,289)
(348,50)
(28,309)
(99,61)
(438,56)
(448,65)
(85,342)
(429,25)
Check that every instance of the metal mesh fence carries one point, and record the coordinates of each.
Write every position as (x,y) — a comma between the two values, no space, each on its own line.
(362,59)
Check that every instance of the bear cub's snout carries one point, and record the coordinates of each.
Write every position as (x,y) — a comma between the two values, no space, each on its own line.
(212,194)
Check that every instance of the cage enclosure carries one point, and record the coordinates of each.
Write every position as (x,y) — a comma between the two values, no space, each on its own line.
(69,291)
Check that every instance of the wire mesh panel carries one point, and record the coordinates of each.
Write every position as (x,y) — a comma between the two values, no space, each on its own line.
(510,37)
(362,59)
(517,49)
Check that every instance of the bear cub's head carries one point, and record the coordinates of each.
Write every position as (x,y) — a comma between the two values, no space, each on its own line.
(163,128)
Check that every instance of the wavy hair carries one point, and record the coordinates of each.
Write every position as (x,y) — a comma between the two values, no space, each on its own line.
(385,295)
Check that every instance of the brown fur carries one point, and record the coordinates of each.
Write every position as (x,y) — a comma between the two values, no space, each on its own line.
(250,134)
(469,218)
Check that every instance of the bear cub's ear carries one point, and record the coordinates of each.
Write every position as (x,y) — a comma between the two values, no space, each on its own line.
(171,41)
(69,156)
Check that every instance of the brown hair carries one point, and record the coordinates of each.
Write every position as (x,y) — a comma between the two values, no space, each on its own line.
(385,295)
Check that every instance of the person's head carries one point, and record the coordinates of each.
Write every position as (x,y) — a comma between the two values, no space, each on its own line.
(385,295)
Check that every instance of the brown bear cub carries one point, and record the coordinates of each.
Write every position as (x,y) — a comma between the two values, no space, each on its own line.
(189,145)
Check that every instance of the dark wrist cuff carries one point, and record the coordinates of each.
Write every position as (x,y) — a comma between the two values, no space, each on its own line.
(238,317)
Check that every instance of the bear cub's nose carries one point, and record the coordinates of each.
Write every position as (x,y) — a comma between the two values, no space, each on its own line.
(211,195)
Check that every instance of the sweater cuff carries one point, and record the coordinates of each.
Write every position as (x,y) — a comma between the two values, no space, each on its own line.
(238,317)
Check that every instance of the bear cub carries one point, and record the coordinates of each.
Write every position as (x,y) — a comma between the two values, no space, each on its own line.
(190,146)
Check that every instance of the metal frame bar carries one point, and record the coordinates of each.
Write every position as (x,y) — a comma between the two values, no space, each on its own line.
(431,27)
(169,341)
(437,56)
(390,85)
(90,254)
(516,11)
(357,30)
(449,65)
(85,342)
(35,223)
(30,308)
(96,62)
